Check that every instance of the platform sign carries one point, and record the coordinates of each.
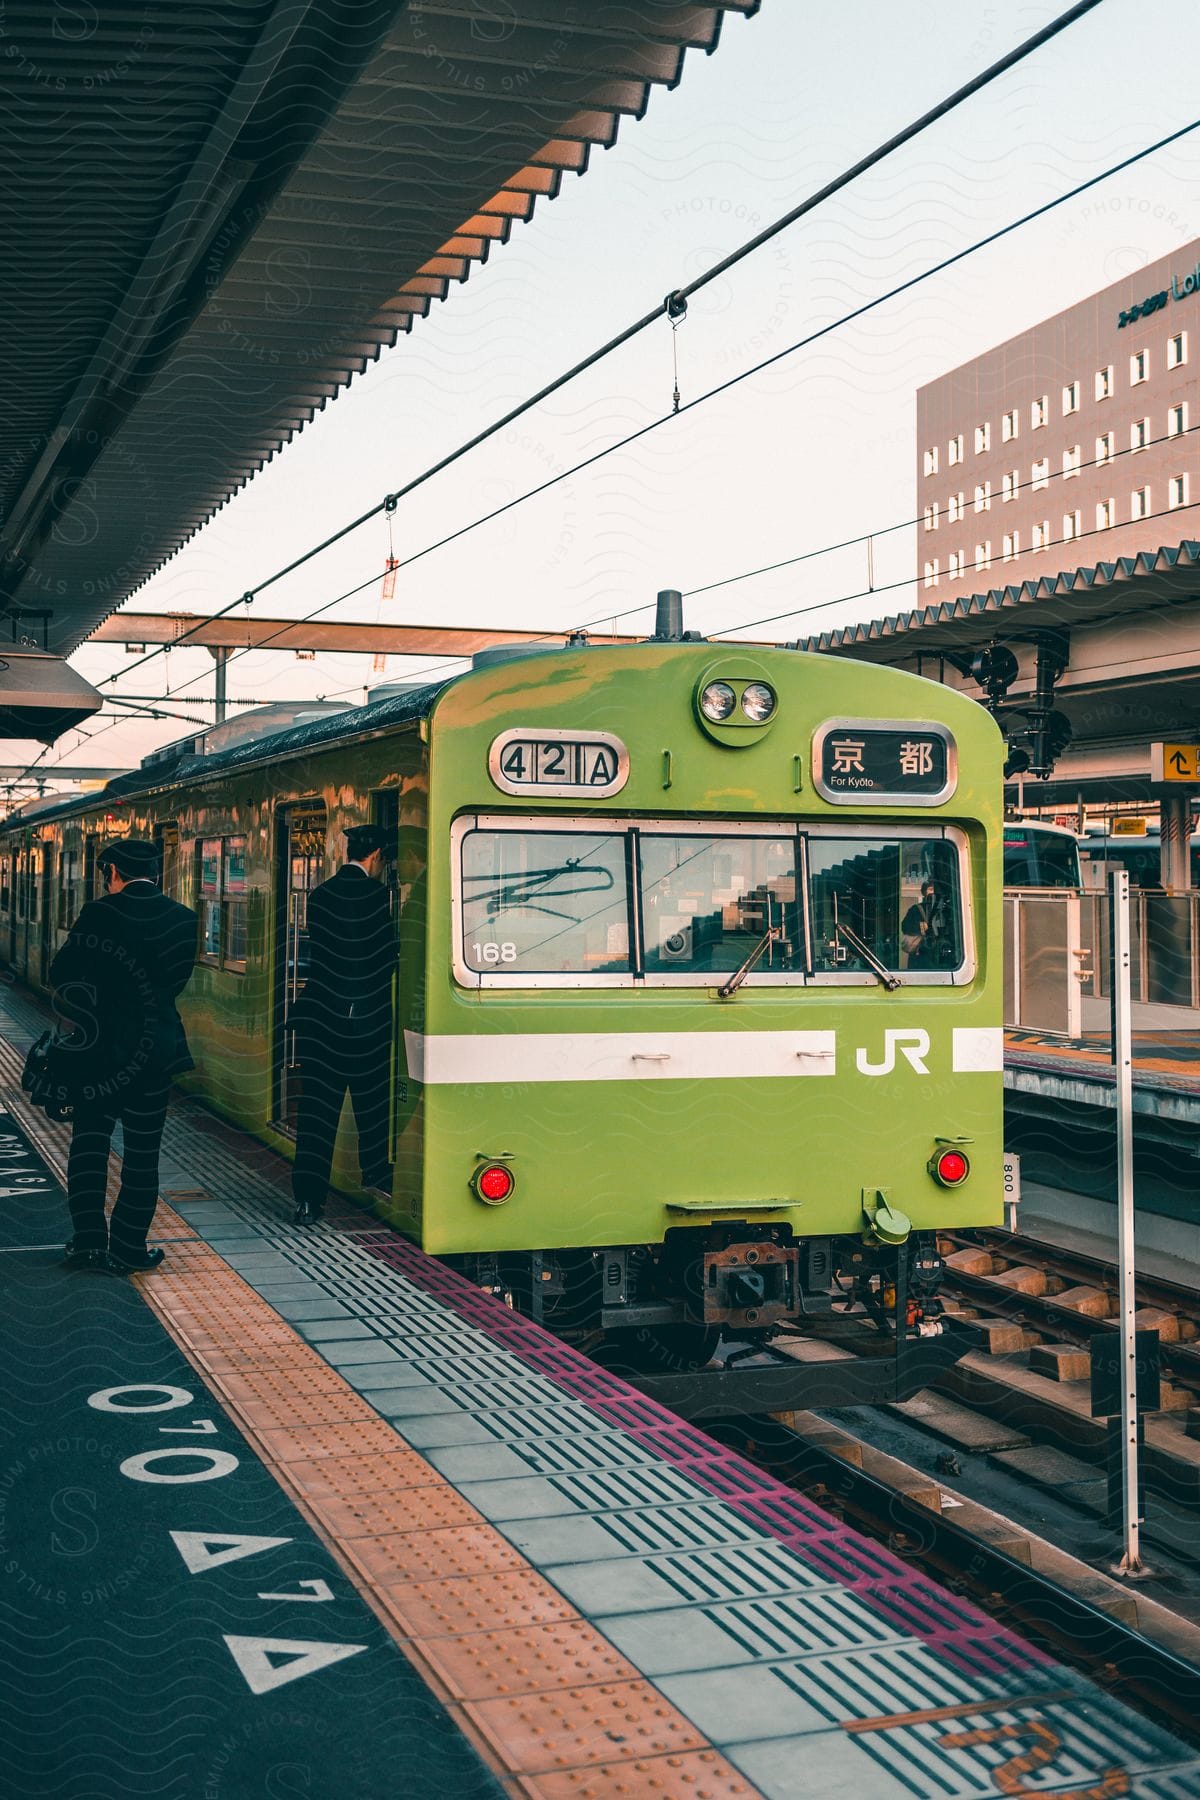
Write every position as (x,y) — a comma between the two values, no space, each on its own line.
(1175,762)
(1106,1373)
(896,761)
(1012,1190)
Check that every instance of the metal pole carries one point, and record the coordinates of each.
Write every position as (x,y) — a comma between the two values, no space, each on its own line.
(221,658)
(1122,1056)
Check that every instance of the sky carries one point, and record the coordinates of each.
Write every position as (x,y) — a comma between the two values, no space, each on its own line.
(816,450)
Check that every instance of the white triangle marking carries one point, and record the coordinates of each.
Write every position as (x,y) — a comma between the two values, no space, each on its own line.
(194,1547)
(253,1657)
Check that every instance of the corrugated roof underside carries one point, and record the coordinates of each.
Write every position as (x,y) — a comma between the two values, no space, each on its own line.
(459,122)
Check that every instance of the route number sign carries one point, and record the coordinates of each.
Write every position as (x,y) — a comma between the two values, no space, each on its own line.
(1175,762)
(578,764)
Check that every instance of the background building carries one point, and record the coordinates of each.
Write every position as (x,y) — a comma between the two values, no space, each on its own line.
(1071,444)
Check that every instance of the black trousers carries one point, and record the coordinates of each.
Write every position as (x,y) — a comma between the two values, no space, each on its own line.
(332,1064)
(142,1113)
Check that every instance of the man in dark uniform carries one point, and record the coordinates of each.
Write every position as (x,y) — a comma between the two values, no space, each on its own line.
(343,1021)
(116,979)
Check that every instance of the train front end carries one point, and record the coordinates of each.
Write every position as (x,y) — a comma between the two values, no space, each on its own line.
(709,1032)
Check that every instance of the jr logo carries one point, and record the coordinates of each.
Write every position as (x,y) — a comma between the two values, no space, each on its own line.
(913,1046)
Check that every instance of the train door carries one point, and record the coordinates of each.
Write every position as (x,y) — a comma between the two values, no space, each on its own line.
(166,836)
(8,900)
(91,845)
(300,868)
(30,909)
(385,811)
(45,906)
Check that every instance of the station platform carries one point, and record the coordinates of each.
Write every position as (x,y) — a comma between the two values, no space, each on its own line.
(304,1512)
(1166,1068)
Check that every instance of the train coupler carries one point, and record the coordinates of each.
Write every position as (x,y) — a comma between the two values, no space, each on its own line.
(751,1285)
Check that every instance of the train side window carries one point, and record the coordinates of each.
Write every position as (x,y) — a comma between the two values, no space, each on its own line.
(67,878)
(900,896)
(221,892)
(208,888)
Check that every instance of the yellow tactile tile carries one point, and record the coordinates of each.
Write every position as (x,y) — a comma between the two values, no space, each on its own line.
(430,1609)
(526,1660)
(699,1775)
(542,1733)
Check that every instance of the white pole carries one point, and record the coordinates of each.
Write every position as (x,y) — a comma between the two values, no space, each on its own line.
(1122,1055)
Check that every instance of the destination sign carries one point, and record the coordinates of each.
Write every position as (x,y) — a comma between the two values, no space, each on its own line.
(882,760)
(563,764)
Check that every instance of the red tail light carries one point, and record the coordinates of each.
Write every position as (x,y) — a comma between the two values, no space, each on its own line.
(950,1167)
(493,1183)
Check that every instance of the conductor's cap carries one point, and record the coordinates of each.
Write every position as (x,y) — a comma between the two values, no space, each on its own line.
(134,859)
(361,840)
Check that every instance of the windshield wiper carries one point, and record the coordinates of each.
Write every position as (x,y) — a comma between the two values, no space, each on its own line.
(770,936)
(878,969)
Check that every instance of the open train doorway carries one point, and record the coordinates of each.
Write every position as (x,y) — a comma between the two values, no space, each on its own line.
(385,812)
(300,867)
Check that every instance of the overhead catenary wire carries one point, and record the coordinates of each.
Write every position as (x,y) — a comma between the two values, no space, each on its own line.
(731,382)
(675,301)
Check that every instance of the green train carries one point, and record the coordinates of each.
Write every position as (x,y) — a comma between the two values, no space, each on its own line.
(699,991)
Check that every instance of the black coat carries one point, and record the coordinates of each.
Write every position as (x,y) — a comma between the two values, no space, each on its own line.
(351,956)
(116,979)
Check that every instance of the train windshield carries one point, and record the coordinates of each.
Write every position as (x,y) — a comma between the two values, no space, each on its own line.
(899,897)
(667,902)
(706,902)
(1040,859)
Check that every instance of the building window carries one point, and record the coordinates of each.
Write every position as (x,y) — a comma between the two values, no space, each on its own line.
(1104,448)
(954,508)
(221,890)
(1177,491)
(1012,545)
(931,461)
(1139,503)
(955,450)
(931,516)
(1011,485)
(1104,383)
(1041,535)
(954,565)
(1072,525)
(1039,412)
(1071,397)
(1041,473)
(983,497)
(1177,350)
(1139,434)
(983,438)
(1106,514)
(931,573)
(1177,419)
(1008,426)
(1139,367)
(1071,461)
(983,555)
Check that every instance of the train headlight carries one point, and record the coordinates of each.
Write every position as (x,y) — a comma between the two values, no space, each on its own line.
(758,701)
(493,1183)
(717,701)
(950,1167)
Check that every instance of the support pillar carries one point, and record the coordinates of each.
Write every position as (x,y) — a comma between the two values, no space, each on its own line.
(220,656)
(1175,811)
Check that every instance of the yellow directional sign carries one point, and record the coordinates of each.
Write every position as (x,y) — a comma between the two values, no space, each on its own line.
(1175,762)
(1129,827)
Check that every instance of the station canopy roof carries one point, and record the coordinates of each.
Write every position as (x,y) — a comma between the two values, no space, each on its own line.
(1148,582)
(215,214)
